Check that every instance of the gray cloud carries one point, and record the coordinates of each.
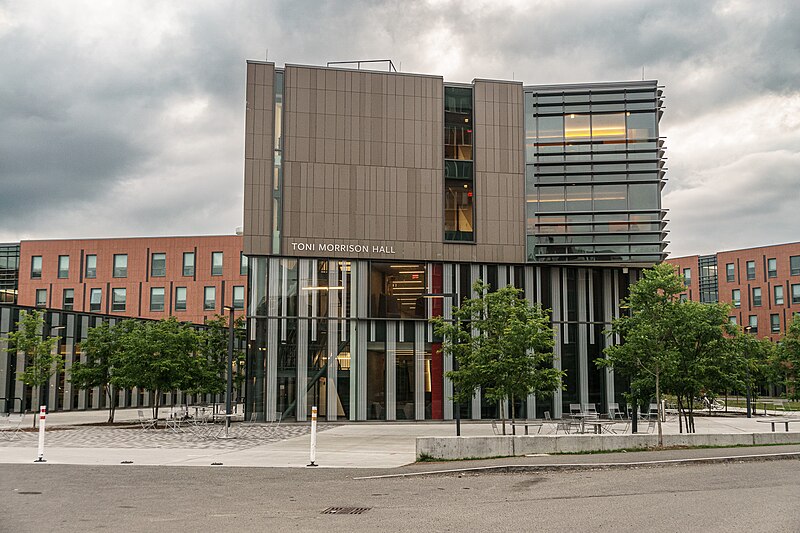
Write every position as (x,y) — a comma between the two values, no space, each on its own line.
(127,118)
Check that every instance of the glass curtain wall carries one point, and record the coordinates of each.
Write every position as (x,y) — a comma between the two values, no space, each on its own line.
(458,165)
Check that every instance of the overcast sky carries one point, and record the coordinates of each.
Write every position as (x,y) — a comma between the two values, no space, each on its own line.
(127,118)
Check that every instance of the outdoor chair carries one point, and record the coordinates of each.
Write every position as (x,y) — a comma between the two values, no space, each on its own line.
(12,426)
(575,409)
(495,429)
(614,412)
(264,428)
(652,412)
(589,410)
(146,422)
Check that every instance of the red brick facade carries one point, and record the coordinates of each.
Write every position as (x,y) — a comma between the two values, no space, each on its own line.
(762,279)
(140,279)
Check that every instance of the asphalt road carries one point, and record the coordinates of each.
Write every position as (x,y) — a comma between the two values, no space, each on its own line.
(751,496)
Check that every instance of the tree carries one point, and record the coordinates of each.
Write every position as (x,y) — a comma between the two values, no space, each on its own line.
(510,354)
(213,343)
(788,359)
(159,356)
(37,348)
(646,331)
(102,350)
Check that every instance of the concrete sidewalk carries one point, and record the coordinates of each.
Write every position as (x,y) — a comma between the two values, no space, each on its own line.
(345,445)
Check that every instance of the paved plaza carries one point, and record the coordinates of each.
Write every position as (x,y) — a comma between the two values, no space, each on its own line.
(343,445)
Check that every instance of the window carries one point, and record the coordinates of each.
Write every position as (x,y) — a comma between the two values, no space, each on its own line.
(158,265)
(732,320)
(684,297)
(180,298)
(730,273)
(775,323)
(751,270)
(794,265)
(687,276)
(157,298)
(41,297)
(753,324)
(796,293)
(118,299)
(120,265)
(778,292)
(91,266)
(216,263)
(69,300)
(772,268)
(238,297)
(242,264)
(63,266)
(95,300)
(209,298)
(736,297)
(757,296)
(36,267)
(396,290)
(188,263)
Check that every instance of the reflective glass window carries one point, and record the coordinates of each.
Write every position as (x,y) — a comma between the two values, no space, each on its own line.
(180,298)
(775,323)
(69,300)
(778,294)
(216,263)
(550,133)
(796,294)
(730,272)
(396,290)
(643,196)
(188,263)
(36,267)
(209,298)
(772,268)
(751,270)
(610,197)
(641,126)
(579,198)
(63,266)
(551,198)
(577,127)
(736,297)
(458,210)
(157,298)
(118,299)
(794,265)
(120,265)
(238,297)
(687,276)
(756,296)
(753,323)
(158,265)
(242,264)
(41,297)
(608,128)
(91,266)
(96,300)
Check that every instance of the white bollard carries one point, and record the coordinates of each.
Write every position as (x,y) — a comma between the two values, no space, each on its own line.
(313,436)
(42,415)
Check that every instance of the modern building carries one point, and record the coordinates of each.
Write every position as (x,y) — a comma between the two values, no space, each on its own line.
(9,272)
(192,278)
(373,201)
(761,284)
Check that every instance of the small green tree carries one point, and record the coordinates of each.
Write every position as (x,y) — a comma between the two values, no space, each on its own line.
(102,350)
(214,350)
(40,361)
(158,357)
(646,352)
(511,353)
(787,359)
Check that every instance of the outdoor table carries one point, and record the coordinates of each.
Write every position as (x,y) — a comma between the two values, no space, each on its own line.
(599,425)
(525,424)
(784,421)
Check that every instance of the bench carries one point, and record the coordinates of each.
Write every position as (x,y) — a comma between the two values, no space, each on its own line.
(784,421)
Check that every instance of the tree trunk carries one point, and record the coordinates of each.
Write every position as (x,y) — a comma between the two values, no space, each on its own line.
(680,414)
(513,412)
(112,403)
(38,403)
(502,416)
(658,400)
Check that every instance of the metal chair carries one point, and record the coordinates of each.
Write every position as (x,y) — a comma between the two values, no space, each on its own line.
(146,422)
(575,409)
(13,423)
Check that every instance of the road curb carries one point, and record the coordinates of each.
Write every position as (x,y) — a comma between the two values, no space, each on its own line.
(554,467)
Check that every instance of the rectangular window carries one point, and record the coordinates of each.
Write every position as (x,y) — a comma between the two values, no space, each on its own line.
(118,299)
(730,273)
(41,297)
(69,300)
(753,324)
(396,290)
(216,263)
(772,268)
(120,265)
(158,265)
(684,297)
(757,296)
(794,265)
(157,298)
(796,293)
(775,323)
(687,276)
(238,297)
(36,267)
(188,263)
(63,266)
(91,267)
(96,300)
(209,298)
(242,264)
(732,320)
(736,297)
(180,298)
(751,270)
(778,292)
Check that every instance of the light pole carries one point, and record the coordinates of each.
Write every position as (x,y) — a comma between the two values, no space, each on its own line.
(456,405)
(229,391)
(747,369)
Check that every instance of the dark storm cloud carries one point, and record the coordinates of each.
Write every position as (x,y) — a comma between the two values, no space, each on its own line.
(132,113)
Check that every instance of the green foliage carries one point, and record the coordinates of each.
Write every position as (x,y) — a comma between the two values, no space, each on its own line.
(214,348)
(40,361)
(787,359)
(102,352)
(510,353)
